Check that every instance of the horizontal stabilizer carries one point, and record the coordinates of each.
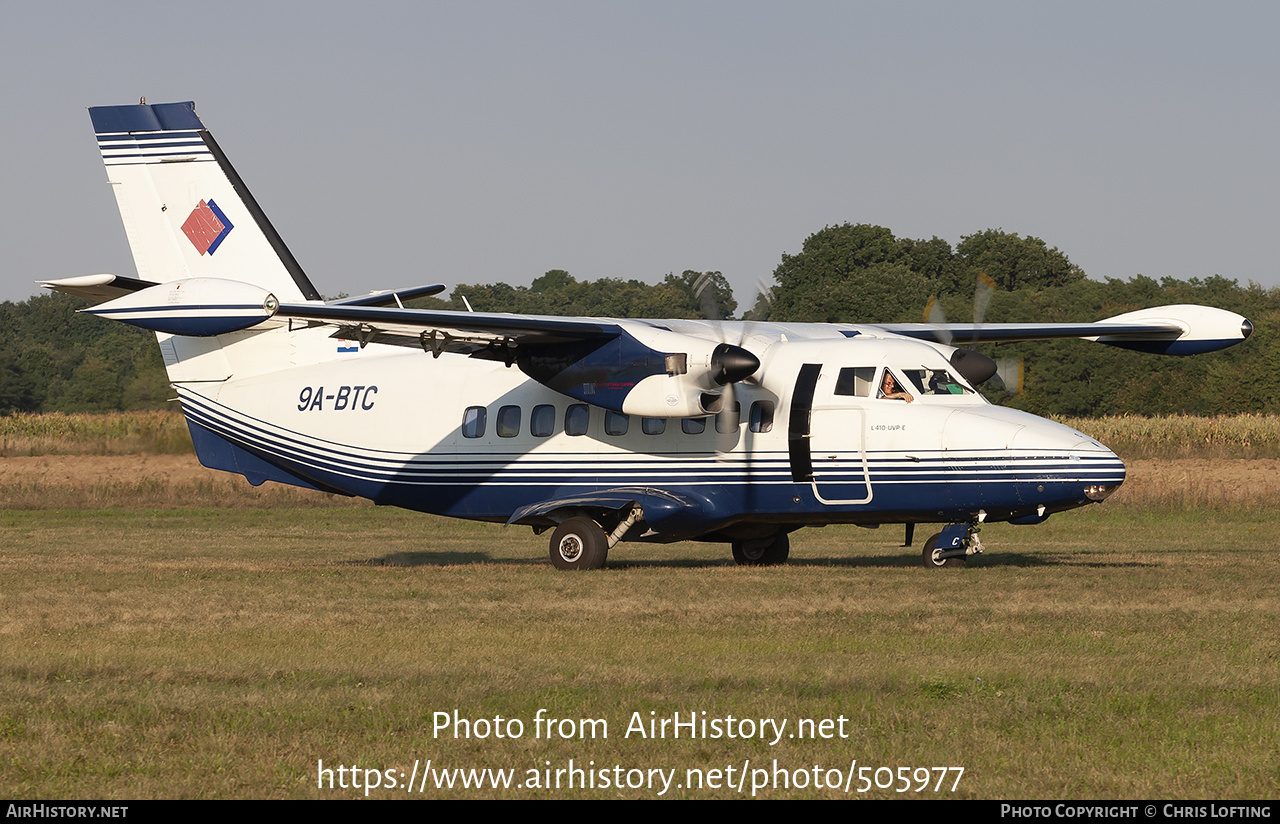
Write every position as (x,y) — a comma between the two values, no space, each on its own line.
(97,288)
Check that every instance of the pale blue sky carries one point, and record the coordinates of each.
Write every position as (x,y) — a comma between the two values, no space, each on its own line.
(402,143)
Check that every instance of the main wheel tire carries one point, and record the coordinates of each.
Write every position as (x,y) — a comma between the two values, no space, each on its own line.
(762,552)
(931,562)
(579,543)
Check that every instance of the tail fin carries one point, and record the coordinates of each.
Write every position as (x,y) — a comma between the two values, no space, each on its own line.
(185,210)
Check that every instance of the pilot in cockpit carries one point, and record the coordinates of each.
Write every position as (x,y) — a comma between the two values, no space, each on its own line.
(889,389)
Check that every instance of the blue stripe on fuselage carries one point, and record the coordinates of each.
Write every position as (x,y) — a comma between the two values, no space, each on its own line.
(469,484)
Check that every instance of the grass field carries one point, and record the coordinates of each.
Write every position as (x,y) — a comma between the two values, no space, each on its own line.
(224,653)
(166,631)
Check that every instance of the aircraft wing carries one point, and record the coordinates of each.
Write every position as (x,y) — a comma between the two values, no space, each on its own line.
(447,331)
(386,298)
(967,333)
(647,368)
(1169,330)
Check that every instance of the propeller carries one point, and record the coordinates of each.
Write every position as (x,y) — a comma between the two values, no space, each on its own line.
(730,361)
(976,367)
(1009,372)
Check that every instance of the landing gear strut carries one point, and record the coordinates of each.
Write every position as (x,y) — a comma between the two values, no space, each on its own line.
(581,543)
(952,546)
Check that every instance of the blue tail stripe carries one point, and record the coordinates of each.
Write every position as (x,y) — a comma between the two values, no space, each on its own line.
(158,117)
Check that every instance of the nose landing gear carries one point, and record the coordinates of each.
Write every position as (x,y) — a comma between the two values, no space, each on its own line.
(952,546)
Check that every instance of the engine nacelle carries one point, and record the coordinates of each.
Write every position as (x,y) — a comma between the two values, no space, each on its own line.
(665,375)
(671,396)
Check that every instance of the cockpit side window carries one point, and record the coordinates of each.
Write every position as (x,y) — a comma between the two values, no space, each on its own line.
(892,388)
(856,381)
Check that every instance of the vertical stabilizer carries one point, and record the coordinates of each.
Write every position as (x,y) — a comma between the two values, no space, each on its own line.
(185,210)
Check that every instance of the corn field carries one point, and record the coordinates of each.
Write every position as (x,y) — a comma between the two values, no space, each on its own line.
(164,432)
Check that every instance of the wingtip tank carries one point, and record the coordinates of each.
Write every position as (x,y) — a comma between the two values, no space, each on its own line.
(195,307)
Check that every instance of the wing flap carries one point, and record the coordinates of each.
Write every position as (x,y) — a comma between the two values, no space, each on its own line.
(440,331)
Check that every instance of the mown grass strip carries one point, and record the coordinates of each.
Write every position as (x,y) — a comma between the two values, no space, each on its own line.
(1107,653)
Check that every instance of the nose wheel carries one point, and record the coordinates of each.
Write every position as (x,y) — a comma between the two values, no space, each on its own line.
(951,547)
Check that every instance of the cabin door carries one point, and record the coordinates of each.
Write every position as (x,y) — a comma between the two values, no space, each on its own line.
(827,435)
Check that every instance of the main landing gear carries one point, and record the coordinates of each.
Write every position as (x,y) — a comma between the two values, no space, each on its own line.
(771,551)
(951,546)
(581,543)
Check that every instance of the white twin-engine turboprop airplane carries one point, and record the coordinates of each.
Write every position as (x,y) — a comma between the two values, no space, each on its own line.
(600,429)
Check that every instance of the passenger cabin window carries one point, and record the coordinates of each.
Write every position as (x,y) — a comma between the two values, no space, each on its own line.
(508,422)
(936,382)
(576,419)
(473,422)
(653,426)
(761,419)
(615,423)
(693,426)
(542,423)
(856,381)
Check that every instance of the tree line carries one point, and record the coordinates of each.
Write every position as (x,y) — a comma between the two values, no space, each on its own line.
(53,359)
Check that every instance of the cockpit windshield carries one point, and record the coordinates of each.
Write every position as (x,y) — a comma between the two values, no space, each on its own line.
(936,382)
(861,382)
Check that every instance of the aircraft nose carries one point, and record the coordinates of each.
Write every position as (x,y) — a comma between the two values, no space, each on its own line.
(1106,467)
(1097,469)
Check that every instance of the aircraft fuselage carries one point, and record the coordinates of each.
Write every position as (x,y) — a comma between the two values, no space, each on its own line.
(811,444)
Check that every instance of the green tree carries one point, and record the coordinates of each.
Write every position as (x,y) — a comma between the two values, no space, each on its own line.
(1015,262)
(935,260)
(95,386)
(1071,377)
(712,296)
(17,390)
(849,273)
(686,295)
(51,348)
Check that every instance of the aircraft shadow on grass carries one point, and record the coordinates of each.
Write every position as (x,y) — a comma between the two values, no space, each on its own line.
(906,559)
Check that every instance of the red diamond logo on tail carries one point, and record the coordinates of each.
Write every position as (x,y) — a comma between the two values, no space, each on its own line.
(206,227)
